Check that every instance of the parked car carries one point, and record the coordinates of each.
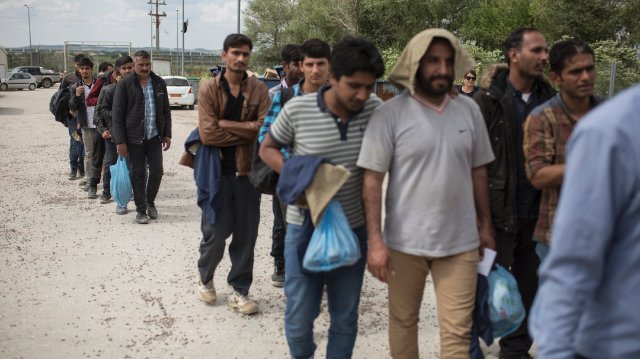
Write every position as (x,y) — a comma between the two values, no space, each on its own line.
(44,78)
(179,91)
(18,80)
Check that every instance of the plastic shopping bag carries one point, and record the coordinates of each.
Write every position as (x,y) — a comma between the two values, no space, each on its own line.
(120,182)
(333,243)
(506,310)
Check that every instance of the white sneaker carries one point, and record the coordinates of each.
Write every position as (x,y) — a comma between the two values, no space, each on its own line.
(242,303)
(207,292)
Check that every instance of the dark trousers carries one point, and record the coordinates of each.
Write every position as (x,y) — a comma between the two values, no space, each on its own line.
(76,149)
(140,155)
(517,252)
(238,215)
(97,159)
(278,231)
(110,158)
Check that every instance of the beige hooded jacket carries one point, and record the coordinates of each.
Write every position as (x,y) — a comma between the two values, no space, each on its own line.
(404,72)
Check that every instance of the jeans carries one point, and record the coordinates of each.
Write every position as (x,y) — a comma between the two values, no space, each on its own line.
(88,138)
(278,231)
(542,250)
(304,294)
(76,149)
(140,155)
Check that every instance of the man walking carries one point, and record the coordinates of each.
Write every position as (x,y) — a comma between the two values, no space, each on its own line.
(76,149)
(435,148)
(548,127)
(508,95)
(142,130)
(329,124)
(231,109)
(290,56)
(315,56)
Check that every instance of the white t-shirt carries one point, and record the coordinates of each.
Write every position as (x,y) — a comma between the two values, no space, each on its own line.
(429,155)
(90,109)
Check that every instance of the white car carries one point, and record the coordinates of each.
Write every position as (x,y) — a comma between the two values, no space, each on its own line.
(179,91)
(19,80)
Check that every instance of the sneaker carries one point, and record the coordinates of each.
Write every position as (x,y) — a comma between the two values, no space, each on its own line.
(87,187)
(105,198)
(207,292)
(121,210)
(277,278)
(142,218)
(83,182)
(152,211)
(242,303)
(81,173)
(73,174)
(92,193)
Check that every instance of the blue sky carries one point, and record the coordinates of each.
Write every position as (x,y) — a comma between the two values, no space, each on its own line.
(55,21)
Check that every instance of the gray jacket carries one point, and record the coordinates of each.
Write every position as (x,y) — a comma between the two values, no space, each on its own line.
(128,111)
(102,116)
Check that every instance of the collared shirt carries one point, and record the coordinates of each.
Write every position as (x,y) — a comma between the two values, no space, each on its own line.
(546,133)
(150,126)
(590,283)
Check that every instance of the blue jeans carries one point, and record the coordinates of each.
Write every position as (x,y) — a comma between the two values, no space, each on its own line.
(542,250)
(76,149)
(304,293)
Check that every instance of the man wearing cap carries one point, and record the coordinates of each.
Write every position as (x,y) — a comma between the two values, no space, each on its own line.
(435,149)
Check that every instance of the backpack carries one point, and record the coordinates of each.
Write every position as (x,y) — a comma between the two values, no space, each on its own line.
(262,177)
(59,105)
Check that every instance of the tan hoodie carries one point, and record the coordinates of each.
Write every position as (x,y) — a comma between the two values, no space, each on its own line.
(404,72)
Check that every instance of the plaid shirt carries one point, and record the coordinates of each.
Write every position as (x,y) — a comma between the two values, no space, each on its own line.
(274,110)
(546,133)
(150,128)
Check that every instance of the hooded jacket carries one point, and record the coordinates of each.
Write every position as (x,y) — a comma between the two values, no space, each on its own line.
(498,109)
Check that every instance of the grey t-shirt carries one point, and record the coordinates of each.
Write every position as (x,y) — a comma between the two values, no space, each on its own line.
(429,155)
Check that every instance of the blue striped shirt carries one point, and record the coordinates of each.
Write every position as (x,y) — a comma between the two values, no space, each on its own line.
(150,127)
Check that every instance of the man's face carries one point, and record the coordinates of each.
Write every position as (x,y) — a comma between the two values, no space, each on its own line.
(435,74)
(293,71)
(315,70)
(86,72)
(126,69)
(353,91)
(577,77)
(142,67)
(532,56)
(236,59)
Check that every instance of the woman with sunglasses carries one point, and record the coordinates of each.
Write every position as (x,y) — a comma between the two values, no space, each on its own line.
(468,86)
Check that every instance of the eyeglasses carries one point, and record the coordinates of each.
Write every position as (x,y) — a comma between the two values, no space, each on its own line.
(470,78)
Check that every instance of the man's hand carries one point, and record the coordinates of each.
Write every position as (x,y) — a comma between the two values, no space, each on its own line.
(379,259)
(122,149)
(487,240)
(79,91)
(166,143)
(106,134)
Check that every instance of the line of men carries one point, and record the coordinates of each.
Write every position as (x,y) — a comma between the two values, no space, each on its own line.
(122,113)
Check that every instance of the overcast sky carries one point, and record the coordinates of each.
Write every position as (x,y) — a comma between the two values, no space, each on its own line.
(55,21)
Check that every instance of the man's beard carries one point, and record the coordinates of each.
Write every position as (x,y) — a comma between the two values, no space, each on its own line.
(424,85)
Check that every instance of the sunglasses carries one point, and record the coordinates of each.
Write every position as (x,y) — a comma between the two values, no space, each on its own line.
(470,78)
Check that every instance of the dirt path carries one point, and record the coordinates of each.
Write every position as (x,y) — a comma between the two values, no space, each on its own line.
(79,281)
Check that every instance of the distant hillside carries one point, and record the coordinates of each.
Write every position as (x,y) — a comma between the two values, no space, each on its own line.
(95,48)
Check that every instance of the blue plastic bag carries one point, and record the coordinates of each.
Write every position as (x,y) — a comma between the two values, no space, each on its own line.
(333,243)
(506,310)
(120,182)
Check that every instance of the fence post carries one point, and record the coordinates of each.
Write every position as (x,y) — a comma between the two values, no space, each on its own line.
(612,79)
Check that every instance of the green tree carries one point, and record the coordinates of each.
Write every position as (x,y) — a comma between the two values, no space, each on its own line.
(268,23)
(490,22)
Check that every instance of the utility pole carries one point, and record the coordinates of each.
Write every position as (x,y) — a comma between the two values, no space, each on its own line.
(158,16)
(177,40)
(238,16)
(30,49)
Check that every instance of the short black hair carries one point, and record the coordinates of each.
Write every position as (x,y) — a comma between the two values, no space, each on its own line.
(515,39)
(473,72)
(104,66)
(85,61)
(316,49)
(142,53)
(353,54)
(561,52)
(236,40)
(290,53)
(77,58)
(123,60)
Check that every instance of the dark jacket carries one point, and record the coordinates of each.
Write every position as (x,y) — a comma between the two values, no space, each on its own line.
(76,103)
(102,81)
(498,108)
(102,115)
(128,112)
(70,79)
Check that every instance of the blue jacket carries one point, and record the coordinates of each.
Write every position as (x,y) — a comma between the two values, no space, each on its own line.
(207,174)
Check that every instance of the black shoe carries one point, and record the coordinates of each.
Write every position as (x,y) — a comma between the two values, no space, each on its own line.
(277,278)
(514,356)
(152,211)
(92,193)
(105,198)
(81,173)
(73,174)
(142,218)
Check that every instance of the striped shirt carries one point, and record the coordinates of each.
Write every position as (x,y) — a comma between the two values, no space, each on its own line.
(150,127)
(310,129)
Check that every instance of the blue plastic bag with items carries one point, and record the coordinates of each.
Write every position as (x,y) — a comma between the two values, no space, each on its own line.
(506,310)
(333,243)
(120,182)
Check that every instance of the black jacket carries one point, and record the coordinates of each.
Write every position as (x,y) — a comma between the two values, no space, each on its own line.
(128,109)
(102,116)
(76,103)
(498,107)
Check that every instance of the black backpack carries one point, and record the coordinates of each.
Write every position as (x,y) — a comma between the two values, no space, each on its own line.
(59,105)
(262,177)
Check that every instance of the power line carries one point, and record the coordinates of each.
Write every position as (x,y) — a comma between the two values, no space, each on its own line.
(157,16)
